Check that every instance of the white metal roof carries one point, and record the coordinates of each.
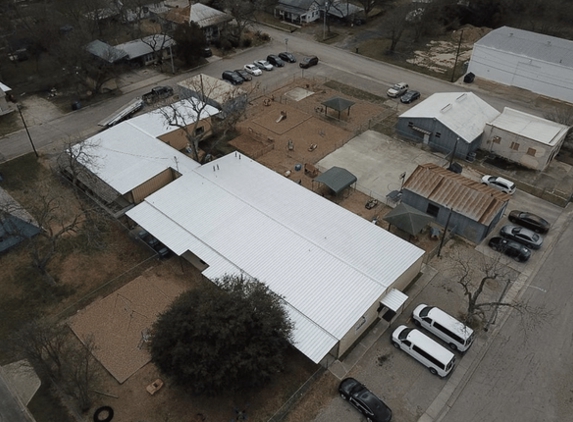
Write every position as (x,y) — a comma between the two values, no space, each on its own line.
(146,45)
(205,16)
(530,44)
(329,264)
(183,113)
(394,299)
(464,113)
(5,88)
(212,88)
(125,157)
(529,126)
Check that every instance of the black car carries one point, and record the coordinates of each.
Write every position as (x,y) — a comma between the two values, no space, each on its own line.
(232,77)
(510,248)
(529,221)
(243,74)
(366,402)
(409,96)
(522,235)
(287,57)
(275,60)
(308,62)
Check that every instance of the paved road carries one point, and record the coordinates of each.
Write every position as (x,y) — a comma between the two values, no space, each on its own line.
(337,64)
(528,377)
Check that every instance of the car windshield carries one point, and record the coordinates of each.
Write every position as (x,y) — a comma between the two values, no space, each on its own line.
(424,312)
(404,334)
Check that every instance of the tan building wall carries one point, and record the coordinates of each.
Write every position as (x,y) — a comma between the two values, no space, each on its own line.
(152,185)
(178,138)
(371,315)
(519,149)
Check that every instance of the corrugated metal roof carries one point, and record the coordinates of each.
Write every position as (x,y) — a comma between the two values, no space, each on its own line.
(105,51)
(329,264)
(469,198)
(128,154)
(530,44)
(212,88)
(394,299)
(529,126)
(182,113)
(464,113)
(146,45)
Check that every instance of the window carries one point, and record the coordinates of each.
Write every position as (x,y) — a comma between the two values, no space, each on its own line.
(438,134)
(428,357)
(410,124)
(200,130)
(448,333)
(432,210)
(496,140)
(514,146)
(531,151)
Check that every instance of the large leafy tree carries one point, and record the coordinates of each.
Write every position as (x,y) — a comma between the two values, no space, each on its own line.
(190,41)
(226,336)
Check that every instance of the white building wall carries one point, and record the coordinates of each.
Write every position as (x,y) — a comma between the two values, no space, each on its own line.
(506,68)
(519,149)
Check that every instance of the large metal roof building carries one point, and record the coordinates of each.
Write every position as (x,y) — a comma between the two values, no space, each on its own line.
(333,268)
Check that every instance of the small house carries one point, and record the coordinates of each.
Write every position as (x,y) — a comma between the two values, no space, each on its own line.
(461,205)
(448,122)
(527,140)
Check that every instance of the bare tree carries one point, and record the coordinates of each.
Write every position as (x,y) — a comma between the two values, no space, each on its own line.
(369,5)
(395,24)
(474,274)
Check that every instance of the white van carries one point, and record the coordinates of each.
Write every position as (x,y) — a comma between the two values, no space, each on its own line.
(444,326)
(439,360)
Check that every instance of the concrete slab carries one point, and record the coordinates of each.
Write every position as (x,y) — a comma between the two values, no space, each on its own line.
(298,93)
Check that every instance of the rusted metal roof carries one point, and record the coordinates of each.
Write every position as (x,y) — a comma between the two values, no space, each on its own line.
(472,199)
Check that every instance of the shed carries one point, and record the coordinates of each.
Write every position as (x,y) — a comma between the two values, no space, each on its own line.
(537,62)
(337,179)
(468,208)
(448,122)
(332,267)
(522,138)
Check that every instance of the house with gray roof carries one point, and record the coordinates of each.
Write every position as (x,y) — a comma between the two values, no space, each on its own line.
(211,21)
(448,122)
(539,63)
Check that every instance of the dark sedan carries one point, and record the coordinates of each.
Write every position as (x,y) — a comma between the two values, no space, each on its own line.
(522,235)
(275,60)
(307,62)
(510,248)
(529,221)
(409,97)
(287,57)
(366,402)
(243,74)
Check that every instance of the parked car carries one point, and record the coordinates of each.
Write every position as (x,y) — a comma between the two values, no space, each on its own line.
(529,221)
(307,62)
(157,93)
(522,235)
(275,60)
(410,96)
(444,326)
(207,52)
(287,57)
(264,65)
(499,183)
(510,248)
(364,401)
(243,74)
(234,78)
(397,90)
(253,70)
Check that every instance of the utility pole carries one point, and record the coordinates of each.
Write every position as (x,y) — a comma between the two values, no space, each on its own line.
(27,131)
(445,231)
(324,25)
(457,55)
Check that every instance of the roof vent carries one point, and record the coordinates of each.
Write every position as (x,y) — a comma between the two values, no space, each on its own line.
(446,108)
(462,97)
(548,42)
(511,34)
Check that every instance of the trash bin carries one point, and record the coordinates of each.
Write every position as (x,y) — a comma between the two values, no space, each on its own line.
(456,168)
(469,78)
(76,105)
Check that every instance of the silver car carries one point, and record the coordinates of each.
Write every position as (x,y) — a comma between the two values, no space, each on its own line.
(522,235)
(264,65)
